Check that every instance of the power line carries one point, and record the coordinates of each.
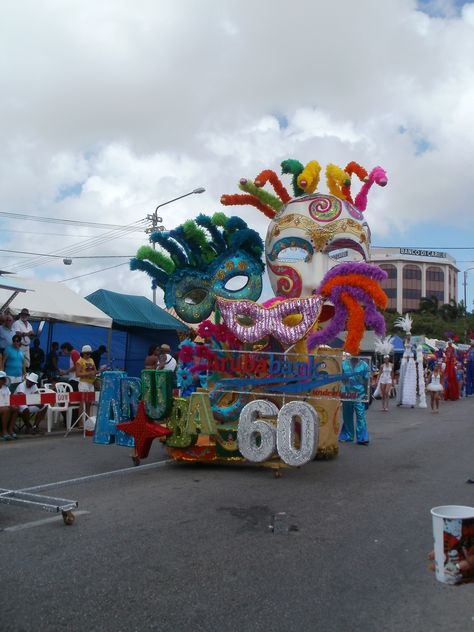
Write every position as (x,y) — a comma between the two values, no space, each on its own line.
(94,272)
(71,222)
(31,232)
(429,247)
(43,254)
(78,247)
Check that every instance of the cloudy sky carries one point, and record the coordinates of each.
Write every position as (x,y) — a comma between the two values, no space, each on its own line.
(111,108)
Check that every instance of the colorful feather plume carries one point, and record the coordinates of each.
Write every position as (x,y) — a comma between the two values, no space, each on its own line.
(194,245)
(354,290)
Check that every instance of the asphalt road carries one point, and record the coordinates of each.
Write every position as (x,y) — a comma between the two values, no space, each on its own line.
(188,547)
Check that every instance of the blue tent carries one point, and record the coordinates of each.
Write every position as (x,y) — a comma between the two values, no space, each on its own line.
(141,324)
(397,342)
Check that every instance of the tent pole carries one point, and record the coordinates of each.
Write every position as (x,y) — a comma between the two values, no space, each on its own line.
(50,336)
(109,346)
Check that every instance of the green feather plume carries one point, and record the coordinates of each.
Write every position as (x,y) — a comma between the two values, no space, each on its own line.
(294,167)
(264,196)
(160,260)
(198,236)
(219,219)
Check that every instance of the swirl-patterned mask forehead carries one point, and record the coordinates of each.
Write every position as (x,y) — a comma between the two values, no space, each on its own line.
(307,237)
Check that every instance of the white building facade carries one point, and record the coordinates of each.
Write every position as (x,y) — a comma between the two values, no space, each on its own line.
(416,273)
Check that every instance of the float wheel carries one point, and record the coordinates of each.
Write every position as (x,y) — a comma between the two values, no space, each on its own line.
(68,517)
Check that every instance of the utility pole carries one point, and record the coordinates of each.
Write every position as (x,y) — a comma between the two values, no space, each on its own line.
(465,301)
(155,225)
(156,222)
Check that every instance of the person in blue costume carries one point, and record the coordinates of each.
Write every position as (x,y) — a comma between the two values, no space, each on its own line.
(470,370)
(356,376)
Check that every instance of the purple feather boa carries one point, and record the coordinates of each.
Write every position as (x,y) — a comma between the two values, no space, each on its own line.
(372,318)
(355,267)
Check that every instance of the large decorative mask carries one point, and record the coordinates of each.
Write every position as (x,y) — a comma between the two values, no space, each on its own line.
(311,232)
(209,258)
(318,243)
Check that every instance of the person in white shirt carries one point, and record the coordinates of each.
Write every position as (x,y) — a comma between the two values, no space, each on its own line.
(23,329)
(29,387)
(166,362)
(8,414)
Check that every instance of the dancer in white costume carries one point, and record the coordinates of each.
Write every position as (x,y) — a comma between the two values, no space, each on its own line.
(385,381)
(435,388)
(420,378)
(406,393)
(411,385)
(409,379)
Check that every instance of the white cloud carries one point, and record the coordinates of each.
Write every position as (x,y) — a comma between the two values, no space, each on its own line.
(110,108)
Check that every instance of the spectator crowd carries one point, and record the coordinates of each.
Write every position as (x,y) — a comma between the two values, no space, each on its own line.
(25,368)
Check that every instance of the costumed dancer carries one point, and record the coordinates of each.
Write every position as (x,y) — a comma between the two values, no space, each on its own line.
(420,378)
(385,381)
(470,369)
(451,387)
(406,393)
(461,378)
(435,388)
(357,375)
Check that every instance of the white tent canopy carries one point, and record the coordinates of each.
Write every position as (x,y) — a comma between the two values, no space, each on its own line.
(49,300)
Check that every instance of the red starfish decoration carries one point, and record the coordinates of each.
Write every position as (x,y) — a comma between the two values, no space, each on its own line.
(143,430)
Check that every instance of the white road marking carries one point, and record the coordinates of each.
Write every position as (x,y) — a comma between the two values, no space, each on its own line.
(38,523)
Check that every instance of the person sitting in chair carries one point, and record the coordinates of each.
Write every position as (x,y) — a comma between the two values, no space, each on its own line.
(29,386)
(8,414)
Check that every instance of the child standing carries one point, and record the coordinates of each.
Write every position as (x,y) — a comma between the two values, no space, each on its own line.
(435,388)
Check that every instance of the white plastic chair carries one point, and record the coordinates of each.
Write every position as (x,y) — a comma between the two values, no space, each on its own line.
(61,407)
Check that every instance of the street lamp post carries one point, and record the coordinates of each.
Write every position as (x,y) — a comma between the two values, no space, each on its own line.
(155,220)
(465,301)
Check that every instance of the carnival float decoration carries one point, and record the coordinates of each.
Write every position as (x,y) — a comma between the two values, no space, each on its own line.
(260,383)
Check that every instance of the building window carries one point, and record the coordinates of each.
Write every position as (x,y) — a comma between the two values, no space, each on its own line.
(412,273)
(389,285)
(435,283)
(434,274)
(390,270)
(438,294)
(411,293)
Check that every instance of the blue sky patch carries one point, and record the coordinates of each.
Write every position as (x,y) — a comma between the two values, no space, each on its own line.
(421,144)
(442,8)
(282,120)
(74,190)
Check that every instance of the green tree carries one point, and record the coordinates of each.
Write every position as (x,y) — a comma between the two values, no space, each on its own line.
(449,311)
(429,305)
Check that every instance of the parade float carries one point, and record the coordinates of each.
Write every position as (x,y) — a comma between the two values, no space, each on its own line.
(260,382)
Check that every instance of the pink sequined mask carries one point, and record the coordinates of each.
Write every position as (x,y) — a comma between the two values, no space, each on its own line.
(250,322)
